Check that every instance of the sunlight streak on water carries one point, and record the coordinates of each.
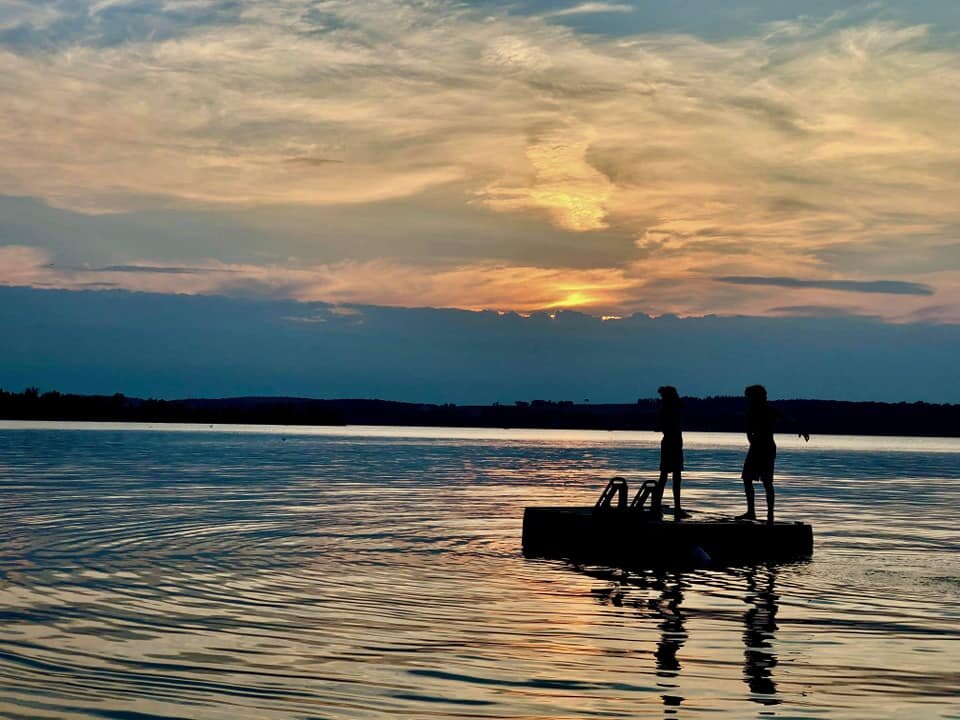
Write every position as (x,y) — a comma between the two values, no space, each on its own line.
(270,572)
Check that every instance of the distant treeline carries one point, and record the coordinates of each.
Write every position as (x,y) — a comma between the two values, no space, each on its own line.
(708,414)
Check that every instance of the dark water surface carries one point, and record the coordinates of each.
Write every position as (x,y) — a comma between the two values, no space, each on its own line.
(255,572)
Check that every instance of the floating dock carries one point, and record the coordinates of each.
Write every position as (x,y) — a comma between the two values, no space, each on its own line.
(638,538)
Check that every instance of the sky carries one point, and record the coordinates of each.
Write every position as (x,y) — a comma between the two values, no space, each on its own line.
(757,158)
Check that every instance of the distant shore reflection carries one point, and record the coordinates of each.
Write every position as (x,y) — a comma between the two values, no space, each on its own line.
(759,626)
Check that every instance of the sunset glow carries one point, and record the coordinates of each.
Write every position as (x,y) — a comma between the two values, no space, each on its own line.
(503,158)
(326,322)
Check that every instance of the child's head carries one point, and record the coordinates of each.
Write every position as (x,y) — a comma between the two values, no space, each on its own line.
(668,393)
(755,393)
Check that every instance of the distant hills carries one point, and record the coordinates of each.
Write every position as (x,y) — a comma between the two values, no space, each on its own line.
(722,414)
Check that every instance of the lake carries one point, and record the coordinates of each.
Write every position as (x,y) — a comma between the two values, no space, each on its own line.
(225,572)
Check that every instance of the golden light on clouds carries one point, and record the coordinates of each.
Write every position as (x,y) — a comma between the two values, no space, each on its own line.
(471,287)
(572,192)
(574,299)
(811,149)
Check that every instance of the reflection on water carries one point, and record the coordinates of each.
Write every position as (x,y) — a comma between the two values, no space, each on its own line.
(344,573)
(665,607)
(760,625)
(672,635)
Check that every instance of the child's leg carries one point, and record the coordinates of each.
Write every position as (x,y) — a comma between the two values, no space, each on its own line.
(676,493)
(657,498)
(748,491)
(767,480)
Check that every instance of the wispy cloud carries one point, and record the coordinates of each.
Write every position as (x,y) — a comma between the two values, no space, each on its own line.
(479,286)
(15,14)
(588,8)
(891,287)
(380,282)
(749,157)
(815,311)
(154,269)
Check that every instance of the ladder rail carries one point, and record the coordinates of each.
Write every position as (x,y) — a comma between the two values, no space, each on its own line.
(617,486)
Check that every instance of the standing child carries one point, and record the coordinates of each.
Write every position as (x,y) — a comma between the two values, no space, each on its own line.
(671,450)
(761,419)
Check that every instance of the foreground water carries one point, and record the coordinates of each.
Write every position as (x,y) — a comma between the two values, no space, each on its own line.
(255,572)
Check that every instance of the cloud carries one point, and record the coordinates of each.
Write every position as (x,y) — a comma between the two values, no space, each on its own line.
(825,311)
(573,193)
(20,265)
(891,287)
(136,342)
(929,255)
(404,97)
(157,269)
(591,7)
(312,160)
(475,286)
(777,154)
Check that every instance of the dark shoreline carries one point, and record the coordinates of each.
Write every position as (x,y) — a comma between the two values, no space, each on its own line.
(713,414)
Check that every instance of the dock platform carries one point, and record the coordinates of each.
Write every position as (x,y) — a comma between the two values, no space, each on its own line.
(635,537)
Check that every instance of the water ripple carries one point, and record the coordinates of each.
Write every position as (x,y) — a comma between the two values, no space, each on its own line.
(314,573)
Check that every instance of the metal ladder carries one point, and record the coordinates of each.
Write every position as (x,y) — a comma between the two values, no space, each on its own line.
(618,486)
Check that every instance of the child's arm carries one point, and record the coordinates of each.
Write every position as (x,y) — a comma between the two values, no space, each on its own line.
(796,426)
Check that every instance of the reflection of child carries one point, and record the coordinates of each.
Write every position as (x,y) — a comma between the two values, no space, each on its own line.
(761,420)
(671,449)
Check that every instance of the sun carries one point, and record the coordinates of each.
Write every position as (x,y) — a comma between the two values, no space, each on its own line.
(575,298)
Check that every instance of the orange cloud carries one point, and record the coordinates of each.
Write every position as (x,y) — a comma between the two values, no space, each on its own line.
(571,191)
(475,287)
(750,156)
(607,292)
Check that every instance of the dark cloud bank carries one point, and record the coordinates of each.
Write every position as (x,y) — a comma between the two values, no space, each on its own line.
(890,287)
(179,346)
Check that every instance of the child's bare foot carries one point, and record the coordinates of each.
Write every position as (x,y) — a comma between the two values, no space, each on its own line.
(746,516)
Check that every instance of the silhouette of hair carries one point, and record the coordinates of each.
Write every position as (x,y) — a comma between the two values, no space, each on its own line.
(755,393)
(669,393)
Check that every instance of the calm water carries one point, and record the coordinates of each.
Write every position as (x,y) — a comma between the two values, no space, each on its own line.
(197,572)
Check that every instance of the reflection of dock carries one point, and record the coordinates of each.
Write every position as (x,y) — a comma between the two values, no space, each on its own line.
(633,538)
